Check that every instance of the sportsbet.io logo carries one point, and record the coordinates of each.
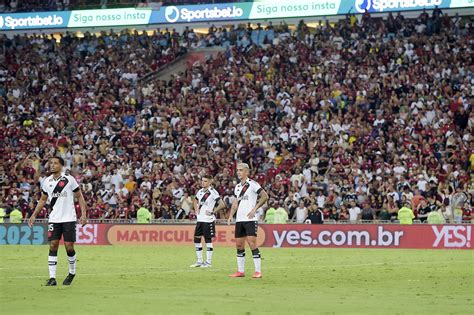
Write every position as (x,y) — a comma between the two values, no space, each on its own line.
(31,21)
(383,5)
(217,12)
(362,5)
(171,14)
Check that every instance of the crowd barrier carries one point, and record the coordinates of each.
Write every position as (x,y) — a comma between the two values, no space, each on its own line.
(446,236)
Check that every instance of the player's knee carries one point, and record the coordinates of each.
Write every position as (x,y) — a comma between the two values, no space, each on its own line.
(54,246)
(208,240)
(69,247)
(252,245)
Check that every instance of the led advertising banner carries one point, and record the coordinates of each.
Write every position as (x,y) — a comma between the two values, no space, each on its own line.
(232,11)
(421,236)
(35,20)
(128,16)
(380,6)
(296,8)
(368,236)
(202,13)
(22,234)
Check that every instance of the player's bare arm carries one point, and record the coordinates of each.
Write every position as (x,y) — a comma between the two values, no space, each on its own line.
(232,211)
(220,206)
(82,204)
(38,208)
(195,205)
(262,198)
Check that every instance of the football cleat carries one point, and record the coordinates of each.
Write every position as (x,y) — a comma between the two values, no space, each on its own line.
(68,279)
(198,264)
(51,282)
(206,265)
(257,275)
(237,275)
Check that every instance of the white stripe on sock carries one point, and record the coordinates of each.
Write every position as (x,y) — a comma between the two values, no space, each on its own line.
(52,264)
(72,264)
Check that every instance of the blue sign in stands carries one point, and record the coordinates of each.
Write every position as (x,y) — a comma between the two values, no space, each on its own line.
(22,234)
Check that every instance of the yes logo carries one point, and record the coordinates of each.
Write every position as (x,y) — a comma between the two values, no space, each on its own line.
(171,14)
(452,236)
(87,234)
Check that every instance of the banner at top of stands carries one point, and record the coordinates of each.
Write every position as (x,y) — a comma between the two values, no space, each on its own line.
(380,6)
(232,11)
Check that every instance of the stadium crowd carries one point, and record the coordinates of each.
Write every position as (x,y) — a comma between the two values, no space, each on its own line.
(354,120)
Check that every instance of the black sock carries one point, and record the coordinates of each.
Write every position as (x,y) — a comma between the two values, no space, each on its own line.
(256,253)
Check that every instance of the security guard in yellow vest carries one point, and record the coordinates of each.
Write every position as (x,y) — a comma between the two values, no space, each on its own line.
(143,215)
(405,214)
(16,216)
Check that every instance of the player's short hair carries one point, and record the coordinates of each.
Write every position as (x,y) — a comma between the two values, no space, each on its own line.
(206,176)
(243,165)
(60,159)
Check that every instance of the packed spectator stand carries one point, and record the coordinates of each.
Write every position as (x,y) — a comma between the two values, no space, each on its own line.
(367,113)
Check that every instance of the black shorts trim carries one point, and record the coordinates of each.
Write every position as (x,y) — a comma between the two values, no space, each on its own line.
(206,229)
(65,229)
(246,228)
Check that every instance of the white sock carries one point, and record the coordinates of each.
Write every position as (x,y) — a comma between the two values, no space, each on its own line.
(210,250)
(72,264)
(241,260)
(198,251)
(52,263)
(257,260)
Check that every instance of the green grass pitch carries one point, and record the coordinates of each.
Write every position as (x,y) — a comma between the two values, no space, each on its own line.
(158,280)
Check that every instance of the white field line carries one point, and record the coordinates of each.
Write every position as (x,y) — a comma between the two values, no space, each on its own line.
(166,270)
